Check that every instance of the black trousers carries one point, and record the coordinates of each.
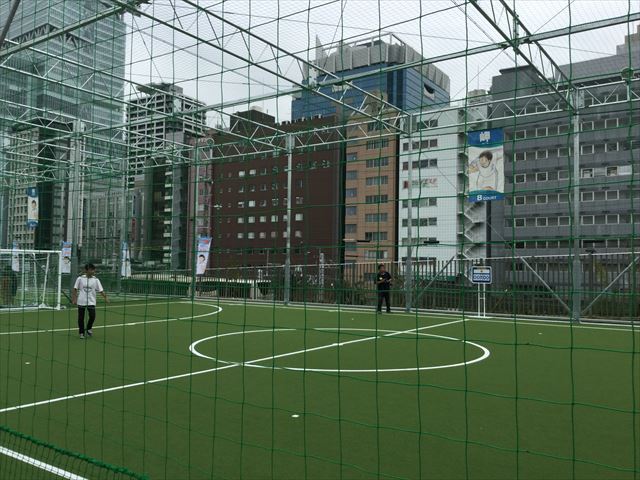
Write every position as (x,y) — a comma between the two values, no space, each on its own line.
(92,316)
(383,295)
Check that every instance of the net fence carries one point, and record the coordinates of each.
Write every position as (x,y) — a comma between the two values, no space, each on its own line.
(252,186)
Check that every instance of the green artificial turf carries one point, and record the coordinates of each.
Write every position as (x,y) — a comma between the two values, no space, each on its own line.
(286,398)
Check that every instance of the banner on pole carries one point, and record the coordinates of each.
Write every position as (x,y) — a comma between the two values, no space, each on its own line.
(15,257)
(204,243)
(486,165)
(65,266)
(32,207)
(125,268)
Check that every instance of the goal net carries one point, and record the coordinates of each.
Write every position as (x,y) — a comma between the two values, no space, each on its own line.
(29,279)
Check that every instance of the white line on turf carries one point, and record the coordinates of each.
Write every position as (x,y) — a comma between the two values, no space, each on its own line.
(485,351)
(130,324)
(182,375)
(41,465)
(443,315)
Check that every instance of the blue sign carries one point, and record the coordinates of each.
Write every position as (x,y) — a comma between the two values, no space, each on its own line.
(481,274)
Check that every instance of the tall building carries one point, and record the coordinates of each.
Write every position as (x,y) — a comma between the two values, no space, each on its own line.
(409,89)
(370,193)
(250,190)
(162,132)
(75,79)
(538,217)
(434,216)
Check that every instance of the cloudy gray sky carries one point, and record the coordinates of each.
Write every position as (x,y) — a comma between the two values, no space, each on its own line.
(157,52)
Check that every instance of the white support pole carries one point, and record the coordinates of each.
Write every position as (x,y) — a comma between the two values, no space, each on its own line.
(287,264)
(408,266)
(59,290)
(576,301)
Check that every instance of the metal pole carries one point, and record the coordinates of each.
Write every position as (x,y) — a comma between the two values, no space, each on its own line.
(408,270)
(287,262)
(577,274)
(194,230)
(7,25)
(74,204)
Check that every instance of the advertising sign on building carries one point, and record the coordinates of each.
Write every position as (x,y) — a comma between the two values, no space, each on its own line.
(486,165)
(204,243)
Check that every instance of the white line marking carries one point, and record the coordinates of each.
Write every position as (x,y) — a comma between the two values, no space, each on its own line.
(166,379)
(41,465)
(439,314)
(555,323)
(485,351)
(162,320)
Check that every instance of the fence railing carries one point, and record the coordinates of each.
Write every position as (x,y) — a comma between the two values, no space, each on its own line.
(540,286)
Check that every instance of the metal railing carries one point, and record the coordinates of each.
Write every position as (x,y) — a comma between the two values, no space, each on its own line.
(539,286)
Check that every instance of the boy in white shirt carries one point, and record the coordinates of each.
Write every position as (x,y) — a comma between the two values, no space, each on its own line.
(84,295)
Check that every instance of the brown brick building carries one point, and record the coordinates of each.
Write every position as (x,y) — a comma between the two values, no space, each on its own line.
(249,193)
(370,194)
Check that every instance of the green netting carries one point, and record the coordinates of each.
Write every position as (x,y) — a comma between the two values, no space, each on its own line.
(237,171)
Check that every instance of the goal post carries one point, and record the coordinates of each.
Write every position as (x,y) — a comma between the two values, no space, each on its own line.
(30,279)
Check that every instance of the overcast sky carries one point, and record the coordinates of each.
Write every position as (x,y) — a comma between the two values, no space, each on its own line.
(156,52)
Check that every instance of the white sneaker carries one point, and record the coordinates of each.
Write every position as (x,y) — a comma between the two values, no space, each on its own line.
(89,333)
(82,336)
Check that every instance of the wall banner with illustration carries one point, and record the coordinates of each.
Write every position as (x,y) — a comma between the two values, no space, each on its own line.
(32,207)
(125,268)
(486,165)
(204,243)
(15,257)
(65,258)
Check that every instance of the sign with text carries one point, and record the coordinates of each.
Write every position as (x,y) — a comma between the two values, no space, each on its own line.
(481,274)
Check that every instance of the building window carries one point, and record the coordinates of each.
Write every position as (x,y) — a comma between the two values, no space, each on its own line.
(587,196)
(541,177)
(563,174)
(351,210)
(240,219)
(376,199)
(612,195)
(375,236)
(240,204)
(520,178)
(520,156)
(352,175)
(520,134)
(352,157)
(251,235)
(541,199)
(541,222)
(612,146)
(263,202)
(375,217)
(252,203)
(274,218)
(251,219)
(518,222)
(274,234)
(263,235)
(382,180)
(542,132)
(587,219)
(274,202)
(299,217)
(298,234)
(299,200)
(377,162)
(351,192)
(611,123)
(586,173)
(350,228)
(377,144)
(541,154)
(240,235)
(586,149)
(263,219)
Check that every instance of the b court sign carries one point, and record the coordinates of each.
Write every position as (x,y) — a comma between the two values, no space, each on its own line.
(481,275)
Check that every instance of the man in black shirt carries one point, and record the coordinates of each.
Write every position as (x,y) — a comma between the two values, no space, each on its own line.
(383,281)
